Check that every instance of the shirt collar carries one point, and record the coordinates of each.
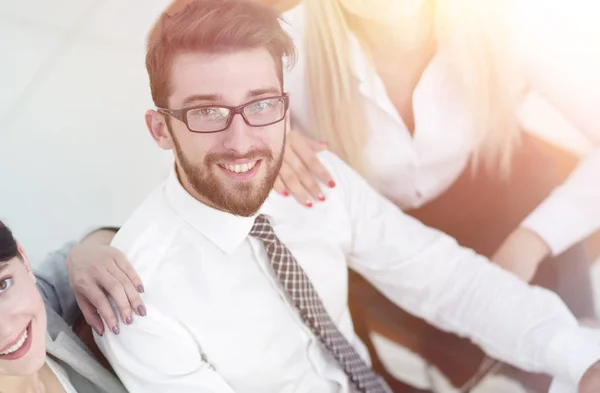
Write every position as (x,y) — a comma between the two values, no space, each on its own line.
(370,84)
(227,231)
(362,68)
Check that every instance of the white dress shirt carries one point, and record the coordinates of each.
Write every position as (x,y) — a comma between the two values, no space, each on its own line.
(560,386)
(558,45)
(218,320)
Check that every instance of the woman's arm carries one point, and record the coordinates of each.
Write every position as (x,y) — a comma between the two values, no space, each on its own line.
(558,42)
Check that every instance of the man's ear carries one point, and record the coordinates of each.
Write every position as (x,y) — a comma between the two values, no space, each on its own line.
(157,125)
(25,260)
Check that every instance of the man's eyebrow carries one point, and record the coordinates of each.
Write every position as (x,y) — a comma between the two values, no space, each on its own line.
(202,97)
(260,92)
(218,97)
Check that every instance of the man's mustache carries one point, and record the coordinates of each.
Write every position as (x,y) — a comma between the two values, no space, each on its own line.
(231,156)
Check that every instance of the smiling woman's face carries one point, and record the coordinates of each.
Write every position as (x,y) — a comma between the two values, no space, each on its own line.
(22,320)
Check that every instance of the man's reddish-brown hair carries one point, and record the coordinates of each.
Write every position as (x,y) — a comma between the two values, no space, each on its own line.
(212,26)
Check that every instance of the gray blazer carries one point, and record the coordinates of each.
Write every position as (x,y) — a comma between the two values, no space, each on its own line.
(86,374)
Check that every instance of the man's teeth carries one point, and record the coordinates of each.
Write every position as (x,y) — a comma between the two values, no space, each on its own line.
(17,345)
(240,168)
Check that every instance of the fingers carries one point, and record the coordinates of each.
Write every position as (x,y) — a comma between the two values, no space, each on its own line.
(126,267)
(91,316)
(297,176)
(123,264)
(312,163)
(294,186)
(116,290)
(280,187)
(302,171)
(133,299)
(98,301)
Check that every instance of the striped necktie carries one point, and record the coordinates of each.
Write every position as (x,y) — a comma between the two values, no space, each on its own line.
(306,300)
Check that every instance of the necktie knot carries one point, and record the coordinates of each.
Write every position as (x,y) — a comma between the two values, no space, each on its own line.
(262,229)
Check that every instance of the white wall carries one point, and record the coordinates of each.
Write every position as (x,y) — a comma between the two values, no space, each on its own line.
(74,150)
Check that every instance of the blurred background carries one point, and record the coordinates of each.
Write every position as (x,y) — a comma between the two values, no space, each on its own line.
(74,150)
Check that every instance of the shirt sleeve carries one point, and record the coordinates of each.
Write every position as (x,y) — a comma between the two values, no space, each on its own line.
(156,354)
(558,44)
(428,274)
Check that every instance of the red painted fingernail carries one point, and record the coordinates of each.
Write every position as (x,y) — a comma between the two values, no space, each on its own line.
(140,288)
(331,184)
(115,329)
(321,197)
(129,320)
(285,193)
(308,203)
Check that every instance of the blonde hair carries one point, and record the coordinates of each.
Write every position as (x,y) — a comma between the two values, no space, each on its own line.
(471,36)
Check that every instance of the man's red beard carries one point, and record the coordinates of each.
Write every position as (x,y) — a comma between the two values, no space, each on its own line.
(239,198)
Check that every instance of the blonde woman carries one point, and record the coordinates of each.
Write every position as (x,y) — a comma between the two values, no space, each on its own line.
(423,98)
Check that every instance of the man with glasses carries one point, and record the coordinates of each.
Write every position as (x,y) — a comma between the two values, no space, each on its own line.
(209,173)
(246,290)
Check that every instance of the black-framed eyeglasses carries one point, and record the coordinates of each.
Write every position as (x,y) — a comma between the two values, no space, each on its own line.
(212,118)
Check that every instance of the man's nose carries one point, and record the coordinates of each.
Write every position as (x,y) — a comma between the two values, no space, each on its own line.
(239,136)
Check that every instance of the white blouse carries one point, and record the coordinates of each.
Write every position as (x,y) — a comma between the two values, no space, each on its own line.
(552,38)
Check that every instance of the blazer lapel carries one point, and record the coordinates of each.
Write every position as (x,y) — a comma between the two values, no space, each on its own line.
(73,354)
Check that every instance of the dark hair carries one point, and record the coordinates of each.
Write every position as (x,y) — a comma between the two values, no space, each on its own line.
(212,27)
(8,244)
